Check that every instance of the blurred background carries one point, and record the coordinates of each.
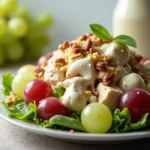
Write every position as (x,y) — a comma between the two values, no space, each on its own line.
(72,18)
(45,24)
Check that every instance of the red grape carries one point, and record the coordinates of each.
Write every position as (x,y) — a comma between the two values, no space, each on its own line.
(49,107)
(36,90)
(144,60)
(42,59)
(137,101)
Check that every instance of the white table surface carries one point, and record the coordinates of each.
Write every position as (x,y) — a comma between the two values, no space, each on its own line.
(16,138)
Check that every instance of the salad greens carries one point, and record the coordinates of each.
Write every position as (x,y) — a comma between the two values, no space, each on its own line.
(6,82)
(122,121)
(103,34)
(19,110)
(59,92)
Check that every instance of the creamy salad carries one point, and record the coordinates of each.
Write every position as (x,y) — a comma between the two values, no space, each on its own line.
(94,84)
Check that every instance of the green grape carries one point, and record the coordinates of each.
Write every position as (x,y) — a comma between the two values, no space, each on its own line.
(35,31)
(2,55)
(15,51)
(7,39)
(27,69)
(36,52)
(45,20)
(44,40)
(19,83)
(22,12)
(7,6)
(96,118)
(3,26)
(17,27)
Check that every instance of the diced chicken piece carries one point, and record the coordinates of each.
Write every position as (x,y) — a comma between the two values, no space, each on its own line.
(109,95)
(131,81)
(53,75)
(56,54)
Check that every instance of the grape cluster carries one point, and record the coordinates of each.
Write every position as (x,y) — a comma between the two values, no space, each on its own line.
(22,36)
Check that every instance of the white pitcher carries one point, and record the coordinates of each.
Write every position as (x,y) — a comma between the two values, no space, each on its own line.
(132,17)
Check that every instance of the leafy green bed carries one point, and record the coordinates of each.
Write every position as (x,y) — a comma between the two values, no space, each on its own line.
(19,110)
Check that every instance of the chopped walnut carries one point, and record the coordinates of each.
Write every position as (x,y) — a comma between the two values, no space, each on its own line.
(108,79)
(77,56)
(94,92)
(60,62)
(64,46)
(97,42)
(87,45)
(101,66)
(83,38)
(39,72)
(92,50)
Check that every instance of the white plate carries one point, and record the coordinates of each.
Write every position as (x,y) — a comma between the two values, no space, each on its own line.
(76,137)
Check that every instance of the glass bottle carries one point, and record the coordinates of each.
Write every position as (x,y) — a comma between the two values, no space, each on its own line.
(132,17)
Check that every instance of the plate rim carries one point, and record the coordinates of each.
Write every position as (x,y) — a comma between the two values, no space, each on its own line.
(60,134)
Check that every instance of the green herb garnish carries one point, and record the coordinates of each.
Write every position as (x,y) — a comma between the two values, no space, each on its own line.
(103,34)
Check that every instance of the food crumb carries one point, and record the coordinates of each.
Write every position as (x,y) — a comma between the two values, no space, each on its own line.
(98,115)
(71,131)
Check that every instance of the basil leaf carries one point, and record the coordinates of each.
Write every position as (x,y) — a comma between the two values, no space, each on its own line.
(126,40)
(101,32)
(6,82)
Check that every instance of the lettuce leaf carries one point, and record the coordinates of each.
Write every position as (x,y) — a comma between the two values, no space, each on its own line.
(21,111)
(59,92)
(122,122)
(6,82)
(63,122)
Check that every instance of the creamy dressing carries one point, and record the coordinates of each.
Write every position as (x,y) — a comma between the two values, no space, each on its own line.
(75,97)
